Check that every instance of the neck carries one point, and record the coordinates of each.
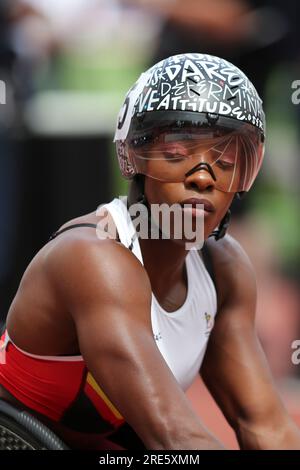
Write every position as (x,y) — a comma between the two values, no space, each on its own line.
(164,261)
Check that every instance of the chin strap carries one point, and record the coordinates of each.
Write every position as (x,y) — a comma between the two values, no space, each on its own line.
(221,230)
(224,224)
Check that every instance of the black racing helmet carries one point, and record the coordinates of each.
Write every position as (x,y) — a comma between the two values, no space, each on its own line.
(187,110)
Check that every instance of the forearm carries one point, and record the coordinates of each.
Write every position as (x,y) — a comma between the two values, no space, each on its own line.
(197,443)
(172,427)
(184,441)
(269,436)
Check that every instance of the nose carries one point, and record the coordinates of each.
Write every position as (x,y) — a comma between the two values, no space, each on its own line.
(201,177)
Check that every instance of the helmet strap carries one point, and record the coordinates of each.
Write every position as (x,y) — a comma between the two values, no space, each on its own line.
(136,193)
(240,195)
(221,230)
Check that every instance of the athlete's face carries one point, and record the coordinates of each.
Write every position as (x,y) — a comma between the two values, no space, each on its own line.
(192,167)
(200,188)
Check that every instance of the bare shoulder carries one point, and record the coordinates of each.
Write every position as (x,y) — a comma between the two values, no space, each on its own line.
(84,269)
(234,273)
(228,250)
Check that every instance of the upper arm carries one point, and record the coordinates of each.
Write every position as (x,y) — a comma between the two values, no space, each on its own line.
(108,294)
(234,367)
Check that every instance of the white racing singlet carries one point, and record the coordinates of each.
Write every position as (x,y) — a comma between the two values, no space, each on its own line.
(181,336)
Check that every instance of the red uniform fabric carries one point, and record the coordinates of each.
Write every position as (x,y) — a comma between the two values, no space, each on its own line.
(61,388)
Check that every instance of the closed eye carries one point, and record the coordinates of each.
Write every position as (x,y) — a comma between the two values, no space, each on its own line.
(224,165)
(174,157)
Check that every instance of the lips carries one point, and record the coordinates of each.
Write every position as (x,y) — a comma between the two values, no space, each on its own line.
(193,201)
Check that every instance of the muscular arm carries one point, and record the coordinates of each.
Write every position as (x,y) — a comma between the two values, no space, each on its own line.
(234,368)
(108,293)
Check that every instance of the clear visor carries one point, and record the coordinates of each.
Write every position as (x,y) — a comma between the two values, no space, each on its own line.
(232,157)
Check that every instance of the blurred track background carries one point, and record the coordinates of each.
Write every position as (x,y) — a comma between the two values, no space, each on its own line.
(67,64)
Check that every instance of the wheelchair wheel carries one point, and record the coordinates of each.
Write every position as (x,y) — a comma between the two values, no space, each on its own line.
(19,430)
(14,437)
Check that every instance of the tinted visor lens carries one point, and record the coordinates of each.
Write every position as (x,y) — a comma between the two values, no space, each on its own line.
(233,155)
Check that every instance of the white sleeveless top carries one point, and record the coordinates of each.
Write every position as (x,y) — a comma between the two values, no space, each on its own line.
(181,335)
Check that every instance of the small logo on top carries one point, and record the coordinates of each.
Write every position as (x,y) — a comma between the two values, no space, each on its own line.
(209,323)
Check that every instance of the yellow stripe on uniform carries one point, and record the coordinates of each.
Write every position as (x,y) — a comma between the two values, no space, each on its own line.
(92,382)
